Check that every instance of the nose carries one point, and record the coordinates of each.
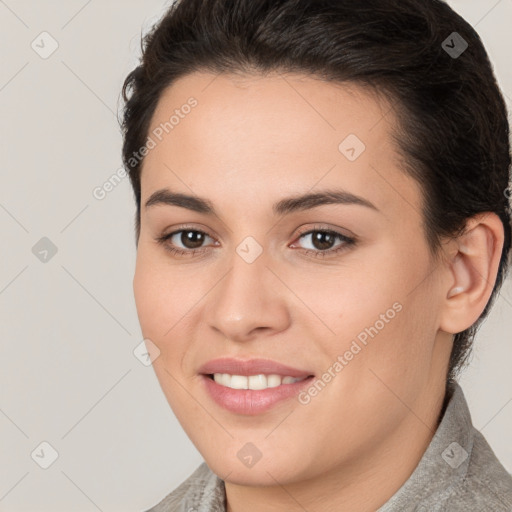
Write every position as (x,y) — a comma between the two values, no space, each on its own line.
(248,300)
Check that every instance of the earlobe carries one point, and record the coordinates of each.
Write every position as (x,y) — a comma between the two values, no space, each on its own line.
(472,272)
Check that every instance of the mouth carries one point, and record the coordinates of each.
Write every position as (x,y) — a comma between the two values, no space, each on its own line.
(250,395)
(251,386)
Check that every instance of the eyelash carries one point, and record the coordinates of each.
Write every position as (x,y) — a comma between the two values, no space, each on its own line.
(347,242)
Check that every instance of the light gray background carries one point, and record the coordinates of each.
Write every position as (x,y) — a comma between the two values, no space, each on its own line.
(69,326)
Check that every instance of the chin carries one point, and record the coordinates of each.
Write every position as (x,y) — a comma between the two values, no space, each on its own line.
(262,473)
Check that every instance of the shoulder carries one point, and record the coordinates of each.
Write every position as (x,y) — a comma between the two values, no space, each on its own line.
(486,485)
(202,491)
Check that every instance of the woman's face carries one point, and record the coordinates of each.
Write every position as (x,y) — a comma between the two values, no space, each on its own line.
(342,290)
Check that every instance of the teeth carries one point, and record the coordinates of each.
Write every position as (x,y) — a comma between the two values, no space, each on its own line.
(252,381)
(273,381)
(256,382)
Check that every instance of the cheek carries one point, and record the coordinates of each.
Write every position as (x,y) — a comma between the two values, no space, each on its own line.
(398,343)
(146,294)
(169,299)
(378,304)
(347,297)
(160,298)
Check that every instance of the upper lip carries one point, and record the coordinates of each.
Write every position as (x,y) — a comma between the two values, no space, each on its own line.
(251,367)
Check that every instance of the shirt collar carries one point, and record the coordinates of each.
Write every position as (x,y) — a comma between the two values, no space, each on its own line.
(446,460)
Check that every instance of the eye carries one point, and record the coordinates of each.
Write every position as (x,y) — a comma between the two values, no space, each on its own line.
(323,242)
(191,241)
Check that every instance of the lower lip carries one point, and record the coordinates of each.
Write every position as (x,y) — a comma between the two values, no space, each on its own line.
(251,401)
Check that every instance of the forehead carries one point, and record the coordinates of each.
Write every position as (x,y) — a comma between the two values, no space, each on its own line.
(252,135)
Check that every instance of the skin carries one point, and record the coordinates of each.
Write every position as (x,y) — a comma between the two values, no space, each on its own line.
(250,142)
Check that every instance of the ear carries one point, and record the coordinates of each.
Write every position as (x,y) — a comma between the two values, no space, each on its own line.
(471,271)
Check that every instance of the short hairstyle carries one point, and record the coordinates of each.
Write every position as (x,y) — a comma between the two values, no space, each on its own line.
(453,131)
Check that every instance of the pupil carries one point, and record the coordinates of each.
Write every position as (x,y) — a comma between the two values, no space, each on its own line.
(319,240)
(192,239)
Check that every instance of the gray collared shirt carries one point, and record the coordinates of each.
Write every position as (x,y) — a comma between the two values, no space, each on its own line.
(458,472)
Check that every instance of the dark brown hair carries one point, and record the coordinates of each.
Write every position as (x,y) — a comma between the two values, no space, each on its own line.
(453,130)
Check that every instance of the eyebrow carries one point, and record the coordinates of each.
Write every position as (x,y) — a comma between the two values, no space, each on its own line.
(285,206)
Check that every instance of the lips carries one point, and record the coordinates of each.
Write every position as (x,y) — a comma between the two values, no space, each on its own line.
(251,367)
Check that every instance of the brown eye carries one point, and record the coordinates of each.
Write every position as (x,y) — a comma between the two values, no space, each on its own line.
(184,242)
(323,242)
(191,239)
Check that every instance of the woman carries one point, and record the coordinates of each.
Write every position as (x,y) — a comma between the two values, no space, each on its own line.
(322,224)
